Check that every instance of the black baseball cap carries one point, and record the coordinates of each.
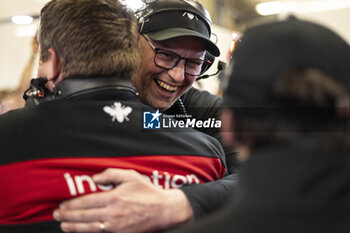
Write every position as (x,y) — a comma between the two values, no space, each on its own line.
(268,51)
(167,19)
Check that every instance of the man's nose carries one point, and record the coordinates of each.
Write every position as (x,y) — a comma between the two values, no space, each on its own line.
(178,72)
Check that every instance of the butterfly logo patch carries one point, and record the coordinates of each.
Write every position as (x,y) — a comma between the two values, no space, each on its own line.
(118,112)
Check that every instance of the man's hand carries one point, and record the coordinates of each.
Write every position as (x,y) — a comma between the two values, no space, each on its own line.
(135,205)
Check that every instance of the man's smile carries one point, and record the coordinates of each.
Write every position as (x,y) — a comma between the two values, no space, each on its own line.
(165,86)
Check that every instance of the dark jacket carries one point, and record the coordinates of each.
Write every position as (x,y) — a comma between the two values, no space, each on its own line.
(296,186)
(50,151)
(208,198)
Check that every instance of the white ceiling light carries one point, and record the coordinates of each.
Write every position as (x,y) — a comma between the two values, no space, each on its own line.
(22,19)
(133,4)
(277,7)
(269,8)
(318,6)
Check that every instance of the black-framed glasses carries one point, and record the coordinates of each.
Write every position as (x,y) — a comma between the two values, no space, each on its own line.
(168,60)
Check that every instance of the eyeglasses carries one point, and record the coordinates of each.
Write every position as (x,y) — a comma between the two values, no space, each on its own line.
(168,60)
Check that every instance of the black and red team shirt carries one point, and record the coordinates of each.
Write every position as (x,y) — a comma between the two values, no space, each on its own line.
(50,152)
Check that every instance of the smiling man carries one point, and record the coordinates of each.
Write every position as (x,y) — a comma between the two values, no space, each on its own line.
(178,35)
(168,69)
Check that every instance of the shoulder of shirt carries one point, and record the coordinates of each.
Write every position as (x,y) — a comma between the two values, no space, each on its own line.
(199,98)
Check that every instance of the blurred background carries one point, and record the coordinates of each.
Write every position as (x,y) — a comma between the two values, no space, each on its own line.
(19,21)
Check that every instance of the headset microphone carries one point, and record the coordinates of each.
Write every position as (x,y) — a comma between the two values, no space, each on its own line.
(221,66)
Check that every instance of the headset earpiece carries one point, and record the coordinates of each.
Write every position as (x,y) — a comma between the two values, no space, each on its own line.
(37,93)
(220,67)
(211,59)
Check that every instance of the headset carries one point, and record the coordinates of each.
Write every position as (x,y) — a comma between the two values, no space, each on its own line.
(154,7)
(220,67)
(73,87)
(37,93)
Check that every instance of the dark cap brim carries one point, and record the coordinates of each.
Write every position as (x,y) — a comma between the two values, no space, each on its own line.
(179,32)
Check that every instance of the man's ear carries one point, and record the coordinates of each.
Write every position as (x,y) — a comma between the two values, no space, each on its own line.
(138,39)
(55,65)
(140,43)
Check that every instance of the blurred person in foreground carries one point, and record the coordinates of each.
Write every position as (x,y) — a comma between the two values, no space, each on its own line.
(288,107)
(89,120)
(173,41)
